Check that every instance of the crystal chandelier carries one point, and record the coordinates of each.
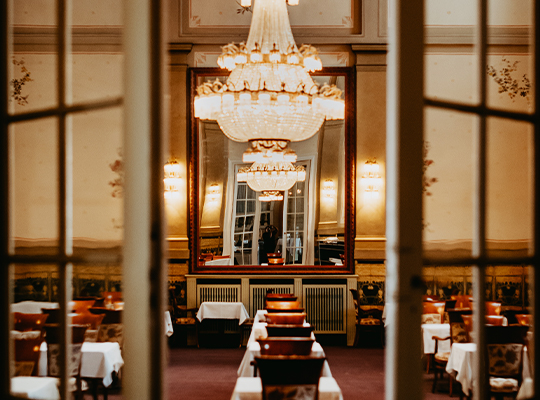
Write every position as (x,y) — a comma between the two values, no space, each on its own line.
(269,94)
(275,176)
(271,196)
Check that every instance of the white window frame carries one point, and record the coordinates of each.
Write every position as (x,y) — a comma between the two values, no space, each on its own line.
(405,109)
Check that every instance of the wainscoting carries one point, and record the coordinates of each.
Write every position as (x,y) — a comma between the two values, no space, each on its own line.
(326,298)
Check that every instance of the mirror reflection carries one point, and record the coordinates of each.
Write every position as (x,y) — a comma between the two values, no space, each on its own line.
(303,225)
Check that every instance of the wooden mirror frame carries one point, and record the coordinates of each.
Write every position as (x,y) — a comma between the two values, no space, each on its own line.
(350,185)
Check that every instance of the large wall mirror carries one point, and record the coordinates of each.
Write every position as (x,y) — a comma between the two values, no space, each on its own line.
(232,230)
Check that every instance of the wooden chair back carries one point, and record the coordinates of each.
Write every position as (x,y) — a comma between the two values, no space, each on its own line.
(462,301)
(433,307)
(27,346)
(284,306)
(506,334)
(523,319)
(455,315)
(93,321)
(81,306)
(283,376)
(493,308)
(29,322)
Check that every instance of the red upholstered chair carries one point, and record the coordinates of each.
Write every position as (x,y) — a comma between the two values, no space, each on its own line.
(92,321)
(27,345)
(462,301)
(524,319)
(29,322)
(493,308)
(81,306)
(433,312)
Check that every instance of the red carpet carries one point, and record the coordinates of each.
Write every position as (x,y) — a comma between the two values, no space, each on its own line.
(200,374)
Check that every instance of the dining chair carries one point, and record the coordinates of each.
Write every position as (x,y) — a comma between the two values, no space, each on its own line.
(27,348)
(81,306)
(183,319)
(458,334)
(493,308)
(288,377)
(368,322)
(524,319)
(504,359)
(432,312)
(462,301)
(111,328)
(29,322)
(92,321)
(52,337)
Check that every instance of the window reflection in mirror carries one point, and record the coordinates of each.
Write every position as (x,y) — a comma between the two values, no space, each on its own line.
(306,227)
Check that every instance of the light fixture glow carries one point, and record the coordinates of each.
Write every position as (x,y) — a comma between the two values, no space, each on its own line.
(172,180)
(371,179)
(271,176)
(328,189)
(271,196)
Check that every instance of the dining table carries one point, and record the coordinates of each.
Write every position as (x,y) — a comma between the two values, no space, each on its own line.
(251,389)
(98,360)
(222,310)
(460,364)
(34,387)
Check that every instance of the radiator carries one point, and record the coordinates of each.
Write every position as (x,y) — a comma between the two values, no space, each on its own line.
(257,293)
(226,293)
(326,307)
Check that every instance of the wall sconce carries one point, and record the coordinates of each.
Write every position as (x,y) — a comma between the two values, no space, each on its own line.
(371,179)
(172,180)
(213,193)
(328,189)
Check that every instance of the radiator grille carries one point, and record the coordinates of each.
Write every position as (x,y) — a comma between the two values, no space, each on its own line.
(326,307)
(257,293)
(226,293)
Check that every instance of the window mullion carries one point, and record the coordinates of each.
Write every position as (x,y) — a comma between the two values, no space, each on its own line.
(65,188)
(479,242)
(536,195)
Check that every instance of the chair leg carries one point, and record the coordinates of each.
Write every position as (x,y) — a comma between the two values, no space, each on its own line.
(356,336)
(428,356)
(451,383)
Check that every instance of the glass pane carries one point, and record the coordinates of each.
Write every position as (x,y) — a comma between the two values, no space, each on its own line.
(97,76)
(300,205)
(290,205)
(448,182)
(290,221)
(248,240)
(251,194)
(238,242)
(239,225)
(299,239)
(451,77)
(240,207)
(241,191)
(265,206)
(34,187)
(509,84)
(250,206)
(509,197)
(299,222)
(33,81)
(249,223)
(300,188)
(98,178)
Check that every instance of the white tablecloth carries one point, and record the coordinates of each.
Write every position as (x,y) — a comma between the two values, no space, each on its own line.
(440,330)
(254,350)
(98,360)
(461,360)
(222,310)
(251,389)
(168,324)
(35,387)
(31,307)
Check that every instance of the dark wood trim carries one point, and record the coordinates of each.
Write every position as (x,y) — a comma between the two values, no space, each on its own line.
(350,185)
